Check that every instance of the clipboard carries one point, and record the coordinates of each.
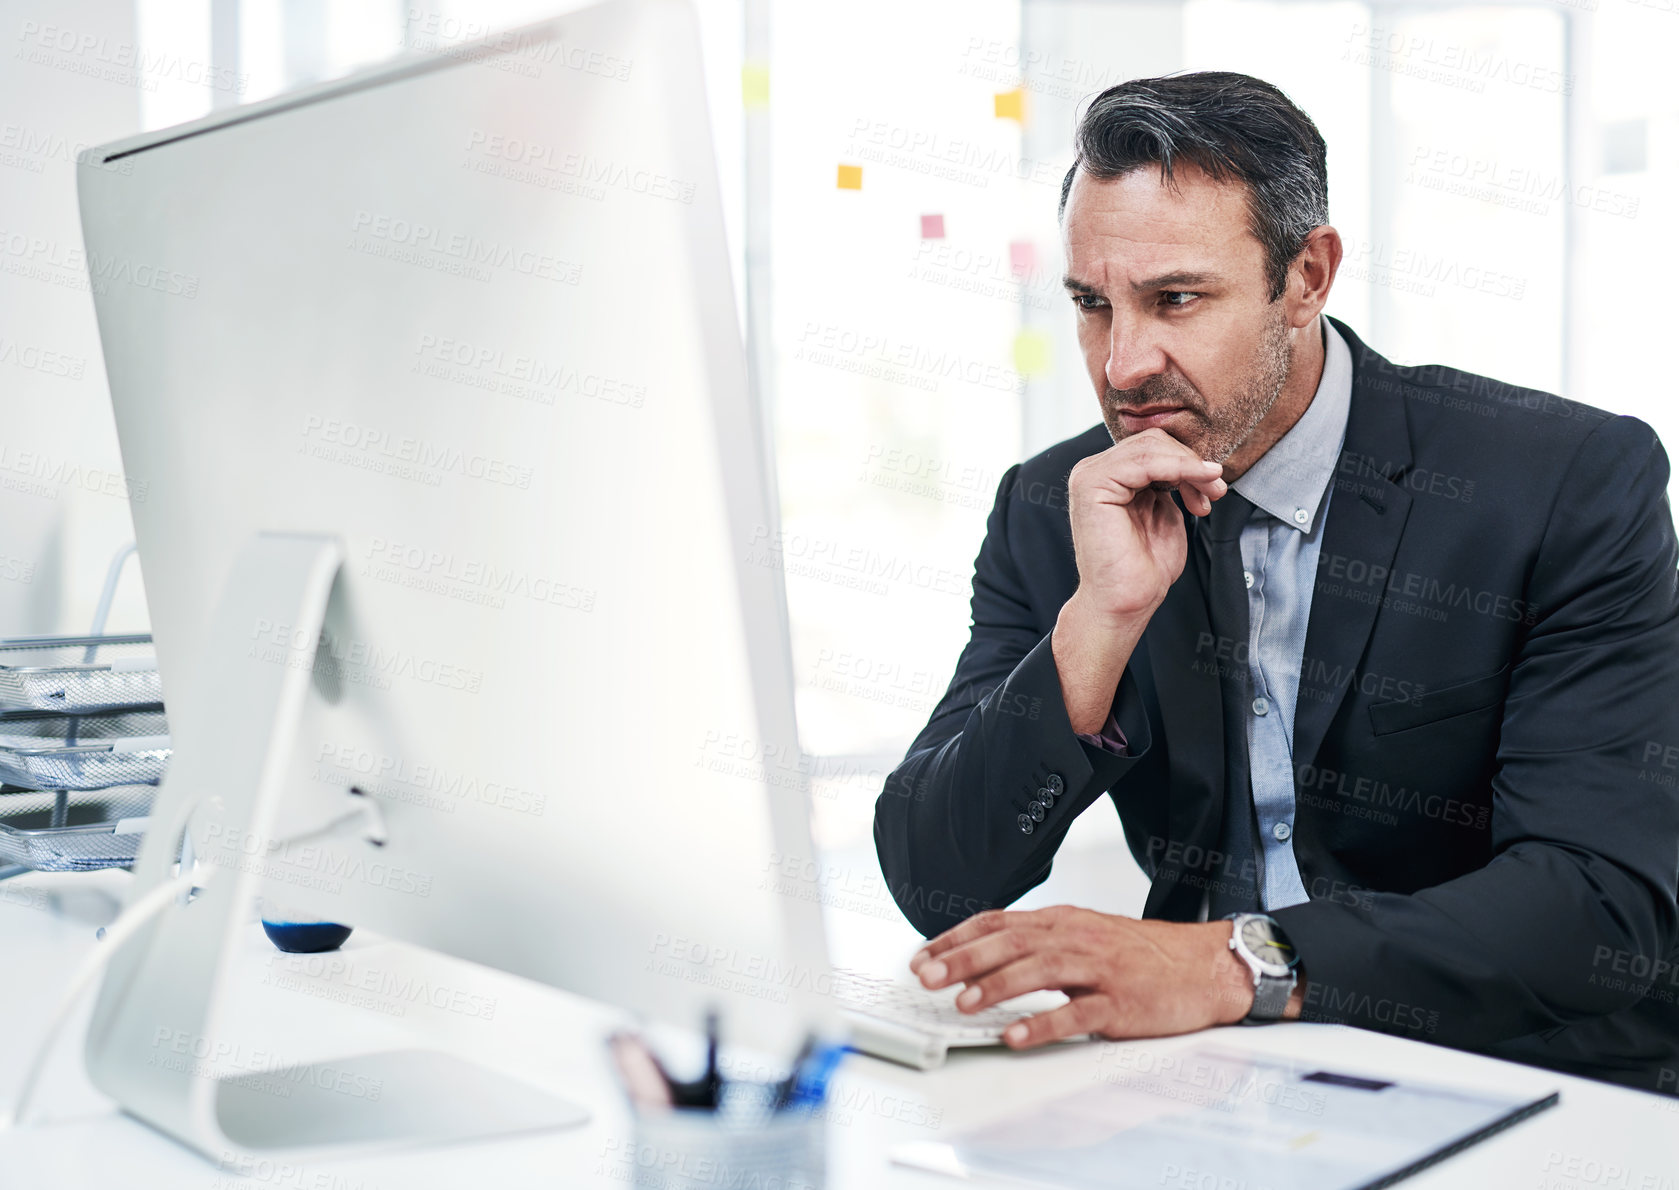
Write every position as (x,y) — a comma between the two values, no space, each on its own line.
(1210,1116)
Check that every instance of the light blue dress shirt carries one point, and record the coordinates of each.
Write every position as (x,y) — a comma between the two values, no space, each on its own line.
(1289,488)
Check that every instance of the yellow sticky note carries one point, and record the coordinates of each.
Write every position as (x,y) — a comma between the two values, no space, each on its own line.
(755,84)
(1033,352)
(850,177)
(1010,105)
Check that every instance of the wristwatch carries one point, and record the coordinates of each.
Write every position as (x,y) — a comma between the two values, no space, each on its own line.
(1260,943)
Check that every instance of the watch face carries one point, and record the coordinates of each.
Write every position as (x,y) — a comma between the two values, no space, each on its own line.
(1265,942)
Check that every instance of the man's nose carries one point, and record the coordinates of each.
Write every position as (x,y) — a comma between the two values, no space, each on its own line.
(1133,354)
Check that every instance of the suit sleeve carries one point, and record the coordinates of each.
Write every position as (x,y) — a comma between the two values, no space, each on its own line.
(1585,840)
(947,825)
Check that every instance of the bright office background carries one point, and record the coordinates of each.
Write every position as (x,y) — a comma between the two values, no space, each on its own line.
(1494,168)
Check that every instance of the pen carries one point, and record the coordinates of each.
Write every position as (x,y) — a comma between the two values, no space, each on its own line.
(713,1078)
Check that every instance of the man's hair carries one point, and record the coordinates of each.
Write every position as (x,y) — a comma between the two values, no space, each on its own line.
(1231,126)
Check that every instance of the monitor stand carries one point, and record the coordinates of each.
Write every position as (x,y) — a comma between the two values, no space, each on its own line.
(160,1024)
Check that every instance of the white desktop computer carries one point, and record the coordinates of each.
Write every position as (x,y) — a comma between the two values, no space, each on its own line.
(433,382)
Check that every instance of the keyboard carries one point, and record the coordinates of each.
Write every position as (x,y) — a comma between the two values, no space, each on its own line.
(904,1022)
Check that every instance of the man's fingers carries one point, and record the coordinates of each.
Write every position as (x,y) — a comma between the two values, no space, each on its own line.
(1091,1013)
(988,953)
(1195,499)
(975,926)
(978,926)
(1123,478)
(1042,970)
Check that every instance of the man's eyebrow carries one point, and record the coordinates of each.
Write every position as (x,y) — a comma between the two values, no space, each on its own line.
(1178,280)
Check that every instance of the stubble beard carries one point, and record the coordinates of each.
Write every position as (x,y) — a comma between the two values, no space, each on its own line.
(1214,434)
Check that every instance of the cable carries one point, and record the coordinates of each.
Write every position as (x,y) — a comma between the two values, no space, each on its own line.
(129,923)
(126,925)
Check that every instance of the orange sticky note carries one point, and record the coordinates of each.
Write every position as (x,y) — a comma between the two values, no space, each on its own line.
(1033,352)
(1010,105)
(755,84)
(850,177)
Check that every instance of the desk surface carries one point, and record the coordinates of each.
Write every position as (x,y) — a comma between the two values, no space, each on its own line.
(1598,1138)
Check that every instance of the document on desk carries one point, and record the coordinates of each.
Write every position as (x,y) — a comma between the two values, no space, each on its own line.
(1216,1117)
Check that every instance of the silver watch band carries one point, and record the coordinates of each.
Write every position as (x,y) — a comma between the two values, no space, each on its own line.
(1270,998)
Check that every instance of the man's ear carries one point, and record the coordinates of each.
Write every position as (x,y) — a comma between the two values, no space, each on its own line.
(1312,274)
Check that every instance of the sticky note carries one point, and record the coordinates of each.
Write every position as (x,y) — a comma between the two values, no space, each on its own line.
(1023,257)
(1033,352)
(850,177)
(755,84)
(932,227)
(1010,105)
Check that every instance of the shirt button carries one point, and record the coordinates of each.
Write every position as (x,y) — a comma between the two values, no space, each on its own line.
(1260,706)
(1301,516)
(1247,577)
(1281,832)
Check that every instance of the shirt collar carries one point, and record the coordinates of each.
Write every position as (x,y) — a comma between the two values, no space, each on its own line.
(1289,480)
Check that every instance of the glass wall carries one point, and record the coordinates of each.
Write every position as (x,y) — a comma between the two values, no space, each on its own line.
(1505,177)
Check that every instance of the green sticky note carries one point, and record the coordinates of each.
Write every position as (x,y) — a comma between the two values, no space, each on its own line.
(1033,352)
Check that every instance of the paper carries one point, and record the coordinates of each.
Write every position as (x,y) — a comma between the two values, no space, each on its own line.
(1213,1117)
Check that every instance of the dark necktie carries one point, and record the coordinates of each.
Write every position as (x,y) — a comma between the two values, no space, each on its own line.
(1233,882)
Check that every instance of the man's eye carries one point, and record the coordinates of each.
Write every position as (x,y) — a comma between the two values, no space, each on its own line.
(1171,295)
(1088,301)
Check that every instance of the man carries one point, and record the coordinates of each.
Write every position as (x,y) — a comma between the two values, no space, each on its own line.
(1383,660)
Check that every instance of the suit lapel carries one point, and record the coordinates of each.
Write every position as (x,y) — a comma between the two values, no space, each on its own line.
(1186,684)
(1366,518)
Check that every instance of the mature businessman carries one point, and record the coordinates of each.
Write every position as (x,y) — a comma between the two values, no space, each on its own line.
(1379,665)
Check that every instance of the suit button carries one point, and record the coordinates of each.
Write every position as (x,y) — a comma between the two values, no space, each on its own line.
(1055,784)
(1036,811)
(1025,824)
(1046,795)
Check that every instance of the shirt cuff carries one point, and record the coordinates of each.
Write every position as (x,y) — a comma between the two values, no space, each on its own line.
(1111,739)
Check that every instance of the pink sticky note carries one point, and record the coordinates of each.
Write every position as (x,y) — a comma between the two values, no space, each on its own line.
(932,227)
(1023,257)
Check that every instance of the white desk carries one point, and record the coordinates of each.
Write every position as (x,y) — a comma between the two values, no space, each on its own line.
(1598,1138)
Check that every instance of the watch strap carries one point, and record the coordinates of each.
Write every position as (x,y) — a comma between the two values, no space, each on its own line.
(1270,998)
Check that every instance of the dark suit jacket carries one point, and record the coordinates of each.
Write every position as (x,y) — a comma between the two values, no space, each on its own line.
(1486,743)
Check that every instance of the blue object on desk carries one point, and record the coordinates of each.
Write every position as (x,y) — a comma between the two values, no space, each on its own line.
(810,1079)
(305,937)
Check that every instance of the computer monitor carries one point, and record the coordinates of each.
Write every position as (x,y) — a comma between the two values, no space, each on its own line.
(438,368)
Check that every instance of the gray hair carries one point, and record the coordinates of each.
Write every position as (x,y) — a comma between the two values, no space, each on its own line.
(1231,126)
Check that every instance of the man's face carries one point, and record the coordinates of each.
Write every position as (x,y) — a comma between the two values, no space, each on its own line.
(1174,316)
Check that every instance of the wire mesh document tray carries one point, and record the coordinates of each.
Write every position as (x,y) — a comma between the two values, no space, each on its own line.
(56,751)
(74,832)
(78,673)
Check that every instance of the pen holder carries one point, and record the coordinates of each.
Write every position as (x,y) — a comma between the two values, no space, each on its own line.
(743,1144)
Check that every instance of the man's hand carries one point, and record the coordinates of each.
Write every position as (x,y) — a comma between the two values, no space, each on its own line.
(1130,547)
(1124,977)
(1128,537)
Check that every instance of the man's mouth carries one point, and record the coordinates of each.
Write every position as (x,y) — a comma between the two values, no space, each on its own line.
(1145,416)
